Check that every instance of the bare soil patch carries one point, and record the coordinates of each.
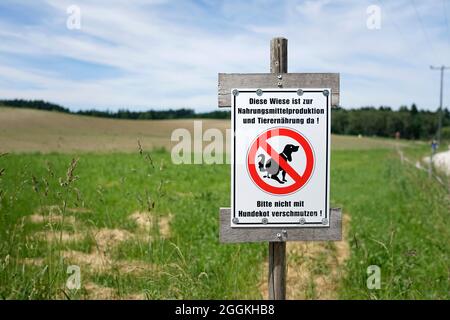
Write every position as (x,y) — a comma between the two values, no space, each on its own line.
(99,259)
(52,219)
(107,239)
(313,268)
(145,221)
(97,292)
(56,236)
(93,261)
(38,262)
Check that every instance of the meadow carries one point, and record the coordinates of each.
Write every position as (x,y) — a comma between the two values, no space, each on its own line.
(140,227)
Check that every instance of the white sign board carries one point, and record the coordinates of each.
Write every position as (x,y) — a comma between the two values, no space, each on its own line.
(280,157)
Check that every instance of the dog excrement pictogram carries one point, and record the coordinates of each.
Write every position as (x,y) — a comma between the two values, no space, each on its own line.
(281,170)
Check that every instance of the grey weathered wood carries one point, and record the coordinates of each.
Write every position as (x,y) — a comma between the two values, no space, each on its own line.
(277,270)
(278,55)
(236,235)
(228,81)
(277,250)
(277,236)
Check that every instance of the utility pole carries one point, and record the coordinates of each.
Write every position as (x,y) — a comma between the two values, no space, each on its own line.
(442,68)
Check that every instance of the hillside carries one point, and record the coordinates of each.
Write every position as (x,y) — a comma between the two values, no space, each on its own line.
(407,123)
(27,130)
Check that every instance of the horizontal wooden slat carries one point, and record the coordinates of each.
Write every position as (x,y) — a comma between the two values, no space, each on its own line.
(228,81)
(234,235)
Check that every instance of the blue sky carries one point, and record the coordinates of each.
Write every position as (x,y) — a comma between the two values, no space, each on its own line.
(160,54)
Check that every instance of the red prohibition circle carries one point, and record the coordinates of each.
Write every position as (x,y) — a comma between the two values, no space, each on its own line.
(300,179)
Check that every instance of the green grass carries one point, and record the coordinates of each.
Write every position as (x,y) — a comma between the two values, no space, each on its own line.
(399,221)
(191,262)
(418,150)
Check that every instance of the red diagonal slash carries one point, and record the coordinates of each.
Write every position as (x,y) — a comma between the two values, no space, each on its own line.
(280,160)
(299,179)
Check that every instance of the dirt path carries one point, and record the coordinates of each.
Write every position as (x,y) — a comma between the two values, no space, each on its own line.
(442,161)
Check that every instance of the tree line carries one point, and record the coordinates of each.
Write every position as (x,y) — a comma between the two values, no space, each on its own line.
(408,122)
(182,113)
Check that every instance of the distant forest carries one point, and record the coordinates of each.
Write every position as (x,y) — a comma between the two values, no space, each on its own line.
(121,114)
(410,122)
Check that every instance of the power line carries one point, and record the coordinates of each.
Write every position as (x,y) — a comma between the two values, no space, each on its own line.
(441,98)
(446,19)
(423,30)
(400,32)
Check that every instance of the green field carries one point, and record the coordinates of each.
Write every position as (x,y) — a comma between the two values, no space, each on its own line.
(398,222)
(140,227)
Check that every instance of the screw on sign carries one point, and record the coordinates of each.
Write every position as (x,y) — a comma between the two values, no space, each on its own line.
(275,166)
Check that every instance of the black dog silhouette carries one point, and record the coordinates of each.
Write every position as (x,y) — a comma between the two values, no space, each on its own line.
(272,167)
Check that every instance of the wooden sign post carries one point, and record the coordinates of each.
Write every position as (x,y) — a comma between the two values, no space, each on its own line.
(277,250)
(277,236)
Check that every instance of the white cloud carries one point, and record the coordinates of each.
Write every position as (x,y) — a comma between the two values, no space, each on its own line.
(165,58)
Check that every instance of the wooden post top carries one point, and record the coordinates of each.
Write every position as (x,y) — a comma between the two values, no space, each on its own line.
(279,55)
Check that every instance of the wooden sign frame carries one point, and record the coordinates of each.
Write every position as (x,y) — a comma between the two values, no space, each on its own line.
(273,234)
(228,81)
(277,237)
